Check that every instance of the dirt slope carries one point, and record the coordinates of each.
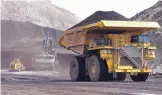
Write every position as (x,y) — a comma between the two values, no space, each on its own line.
(17,34)
(24,22)
(153,13)
(42,13)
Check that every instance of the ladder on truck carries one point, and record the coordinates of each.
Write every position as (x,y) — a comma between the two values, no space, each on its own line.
(134,63)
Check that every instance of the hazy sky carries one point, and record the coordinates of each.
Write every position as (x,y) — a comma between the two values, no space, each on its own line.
(84,8)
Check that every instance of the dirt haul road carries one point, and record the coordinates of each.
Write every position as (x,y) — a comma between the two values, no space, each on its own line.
(43,83)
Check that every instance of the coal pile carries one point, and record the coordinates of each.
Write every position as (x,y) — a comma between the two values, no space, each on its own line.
(101,15)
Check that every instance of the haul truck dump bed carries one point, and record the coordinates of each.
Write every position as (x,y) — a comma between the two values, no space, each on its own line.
(110,49)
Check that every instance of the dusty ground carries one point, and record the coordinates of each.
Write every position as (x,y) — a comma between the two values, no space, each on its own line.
(43,83)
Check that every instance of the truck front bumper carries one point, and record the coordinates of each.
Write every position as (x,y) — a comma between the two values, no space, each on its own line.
(134,70)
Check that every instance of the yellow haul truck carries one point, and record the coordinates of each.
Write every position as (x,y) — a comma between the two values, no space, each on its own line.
(108,50)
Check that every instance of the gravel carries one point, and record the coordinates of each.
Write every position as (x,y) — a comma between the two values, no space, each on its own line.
(61,85)
(100,15)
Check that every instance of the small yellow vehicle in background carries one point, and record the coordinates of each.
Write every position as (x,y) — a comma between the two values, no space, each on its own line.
(16,65)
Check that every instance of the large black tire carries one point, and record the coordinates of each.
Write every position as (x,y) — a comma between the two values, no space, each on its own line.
(140,77)
(77,69)
(101,70)
(121,76)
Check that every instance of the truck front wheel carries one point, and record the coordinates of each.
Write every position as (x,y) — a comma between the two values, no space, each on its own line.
(77,69)
(140,77)
(96,68)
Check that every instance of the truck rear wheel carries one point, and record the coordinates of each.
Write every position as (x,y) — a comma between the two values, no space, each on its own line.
(140,77)
(77,69)
(97,69)
(121,76)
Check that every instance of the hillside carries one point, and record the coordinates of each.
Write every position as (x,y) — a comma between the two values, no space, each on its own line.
(25,35)
(24,22)
(23,26)
(42,13)
(153,13)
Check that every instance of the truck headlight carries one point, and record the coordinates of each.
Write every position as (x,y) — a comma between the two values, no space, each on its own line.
(106,51)
(152,52)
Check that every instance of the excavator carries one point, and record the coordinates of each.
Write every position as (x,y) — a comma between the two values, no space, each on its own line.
(46,60)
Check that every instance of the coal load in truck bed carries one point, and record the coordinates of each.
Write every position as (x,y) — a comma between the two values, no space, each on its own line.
(101,15)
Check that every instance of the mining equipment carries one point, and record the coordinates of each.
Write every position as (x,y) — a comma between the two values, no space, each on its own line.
(109,50)
(16,65)
(46,60)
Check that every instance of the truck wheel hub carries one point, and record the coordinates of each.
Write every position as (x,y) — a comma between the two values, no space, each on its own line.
(93,69)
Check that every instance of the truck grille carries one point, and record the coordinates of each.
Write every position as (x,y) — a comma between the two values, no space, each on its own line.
(132,53)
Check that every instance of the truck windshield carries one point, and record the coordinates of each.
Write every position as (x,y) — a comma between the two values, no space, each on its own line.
(140,39)
(144,39)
